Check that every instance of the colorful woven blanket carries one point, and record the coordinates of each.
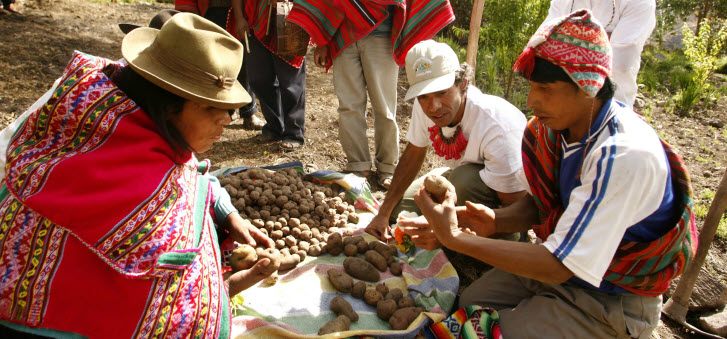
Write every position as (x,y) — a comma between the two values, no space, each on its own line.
(298,305)
(641,268)
(339,23)
(470,322)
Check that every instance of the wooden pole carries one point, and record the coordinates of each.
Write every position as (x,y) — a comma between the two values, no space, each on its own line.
(677,306)
(473,38)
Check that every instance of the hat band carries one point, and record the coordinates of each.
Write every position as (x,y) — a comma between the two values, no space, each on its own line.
(187,70)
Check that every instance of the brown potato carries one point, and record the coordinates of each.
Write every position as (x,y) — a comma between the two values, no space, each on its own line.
(394,294)
(385,308)
(359,288)
(403,317)
(340,280)
(382,288)
(242,258)
(405,301)
(361,269)
(372,297)
(395,268)
(376,259)
(437,186)
(341,323)
(342,307)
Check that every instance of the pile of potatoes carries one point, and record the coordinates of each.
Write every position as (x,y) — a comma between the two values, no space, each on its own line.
(297,214)
(391,305)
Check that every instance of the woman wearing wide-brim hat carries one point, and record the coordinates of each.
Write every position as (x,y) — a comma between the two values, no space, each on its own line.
(107,226)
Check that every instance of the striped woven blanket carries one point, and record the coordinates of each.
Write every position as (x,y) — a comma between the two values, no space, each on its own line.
(298,305)
(339,23)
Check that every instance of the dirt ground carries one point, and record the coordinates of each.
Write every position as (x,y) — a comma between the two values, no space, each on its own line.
(37,44)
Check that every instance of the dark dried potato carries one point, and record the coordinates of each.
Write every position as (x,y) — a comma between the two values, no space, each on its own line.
(342,307)
(376,259)
(437,186)
(403,317)
(385,308)
(341,323)
(340,280)
(372,297)
(405,301)
(335,244)
(350,250)
(361,269)
(382,288)
(395,268)
(242,258)
(394,294)
(358,290)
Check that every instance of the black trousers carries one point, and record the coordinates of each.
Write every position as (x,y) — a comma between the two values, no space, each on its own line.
(280,88)
(218,15)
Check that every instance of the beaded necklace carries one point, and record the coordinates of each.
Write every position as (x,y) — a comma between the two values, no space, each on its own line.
(449,147)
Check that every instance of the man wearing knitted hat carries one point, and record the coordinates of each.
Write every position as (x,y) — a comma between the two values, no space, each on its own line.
(610,202)
(477,136)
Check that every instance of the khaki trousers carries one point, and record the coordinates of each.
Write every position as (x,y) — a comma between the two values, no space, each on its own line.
(531,309)
(367,65)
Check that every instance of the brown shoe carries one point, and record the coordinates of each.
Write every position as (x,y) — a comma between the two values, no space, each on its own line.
(252,123)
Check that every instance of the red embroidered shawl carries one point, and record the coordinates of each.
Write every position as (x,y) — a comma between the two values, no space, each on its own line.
(339,23)
(104,232)
(641,268)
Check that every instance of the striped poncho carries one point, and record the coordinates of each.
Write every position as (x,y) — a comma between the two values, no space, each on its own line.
(341,23)
(644,268)
(105,230)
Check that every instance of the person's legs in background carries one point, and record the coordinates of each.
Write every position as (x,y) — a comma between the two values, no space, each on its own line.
(218,15)
(350,87)
(381,73)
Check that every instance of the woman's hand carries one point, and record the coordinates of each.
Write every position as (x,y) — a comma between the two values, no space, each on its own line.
(320,56)
(421,234)
(242,280)
(441,218)
(379,227)
(244,232)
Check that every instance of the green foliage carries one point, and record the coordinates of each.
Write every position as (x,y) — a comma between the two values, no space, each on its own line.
(701,50)
(506,28)
(663,71)
(670,12)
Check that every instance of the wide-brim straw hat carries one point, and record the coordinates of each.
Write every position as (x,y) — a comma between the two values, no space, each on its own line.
(189,56)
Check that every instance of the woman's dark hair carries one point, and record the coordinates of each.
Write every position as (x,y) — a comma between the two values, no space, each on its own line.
(158,103)
(546,72)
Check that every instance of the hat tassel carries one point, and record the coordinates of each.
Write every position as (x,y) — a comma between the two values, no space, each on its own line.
(525,64)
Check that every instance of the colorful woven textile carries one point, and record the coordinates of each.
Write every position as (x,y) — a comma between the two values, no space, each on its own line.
(356,187)
(298,304)
(577,44)
(260,18)
(470,322)
(84,236)
(340,23)
(641,268)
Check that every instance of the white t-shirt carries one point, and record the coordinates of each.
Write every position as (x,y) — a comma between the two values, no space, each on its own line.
(623,181)
(493,128)
(629,23)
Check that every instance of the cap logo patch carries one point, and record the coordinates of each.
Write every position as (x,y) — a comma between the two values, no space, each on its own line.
(422,66)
